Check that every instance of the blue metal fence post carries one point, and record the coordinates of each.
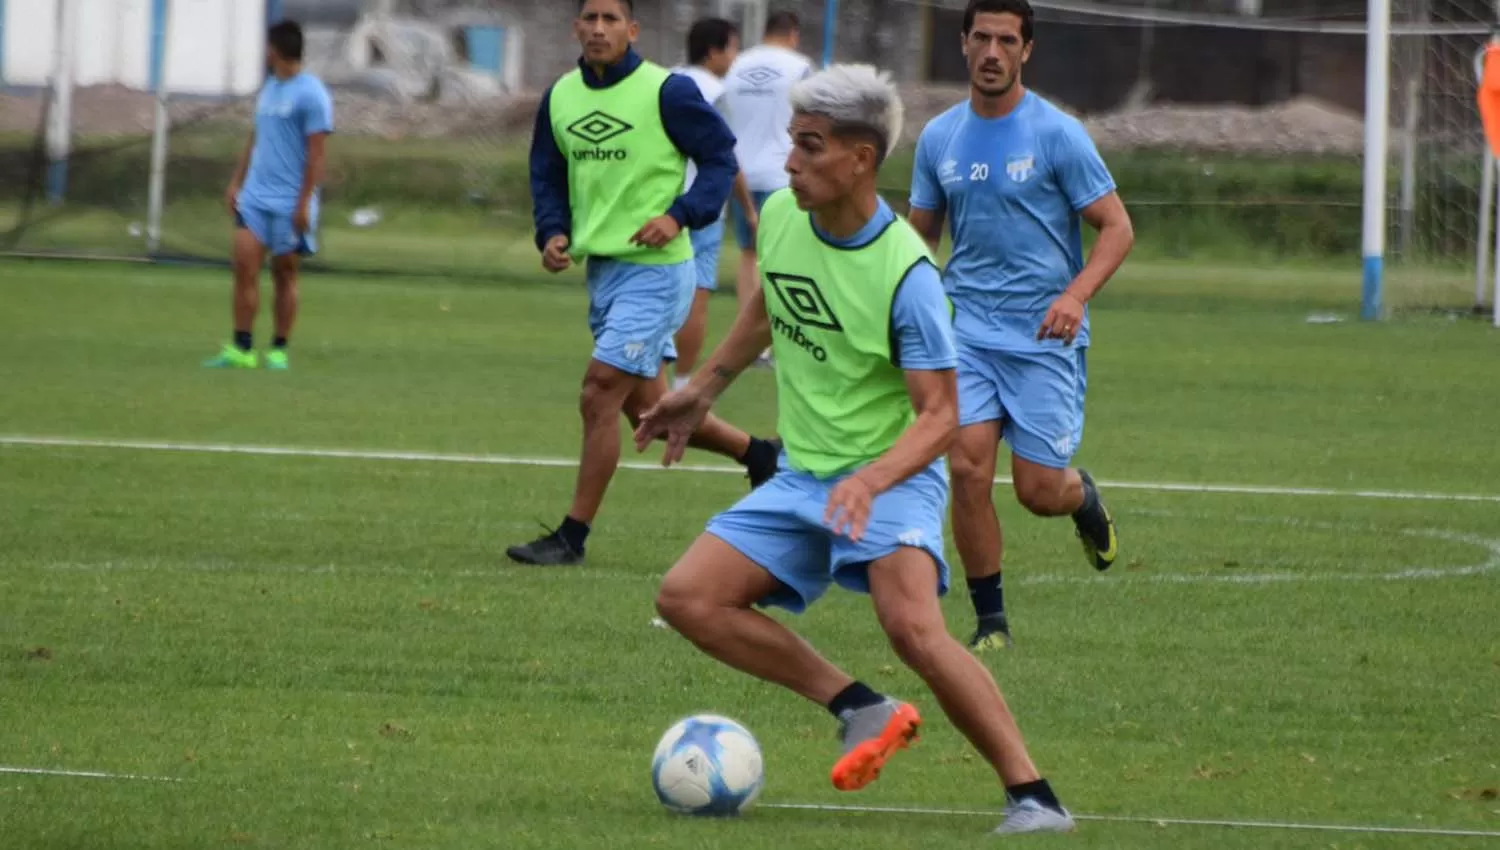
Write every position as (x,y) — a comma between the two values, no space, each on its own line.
(830,24)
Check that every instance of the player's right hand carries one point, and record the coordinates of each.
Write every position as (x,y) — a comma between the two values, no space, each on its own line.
(555,255)
(674,418)
(231,199)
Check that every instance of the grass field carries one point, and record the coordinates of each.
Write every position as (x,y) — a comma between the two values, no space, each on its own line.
(330,651)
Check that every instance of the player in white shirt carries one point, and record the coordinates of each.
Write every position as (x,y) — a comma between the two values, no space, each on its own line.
(757,105)
(712,45)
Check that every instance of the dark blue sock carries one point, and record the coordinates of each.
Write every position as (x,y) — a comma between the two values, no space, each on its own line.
(856,696)
(279,342)
(244,340)
(573,533)
(988,595)
(1039,791)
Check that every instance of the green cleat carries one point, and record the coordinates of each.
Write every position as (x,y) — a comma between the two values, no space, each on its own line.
(276,360)
(231,358)
(1096,528)
(992,633)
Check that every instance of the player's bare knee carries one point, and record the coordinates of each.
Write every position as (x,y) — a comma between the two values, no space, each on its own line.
(683,605)
(916,640)
(600,402)
(1042,494)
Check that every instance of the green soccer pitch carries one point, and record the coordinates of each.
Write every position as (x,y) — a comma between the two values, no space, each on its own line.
(327,647)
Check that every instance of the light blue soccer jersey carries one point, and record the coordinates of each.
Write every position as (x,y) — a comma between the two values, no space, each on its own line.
(286,113)
(1012,189)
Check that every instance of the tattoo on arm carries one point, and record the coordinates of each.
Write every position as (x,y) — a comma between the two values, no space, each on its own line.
(724,372)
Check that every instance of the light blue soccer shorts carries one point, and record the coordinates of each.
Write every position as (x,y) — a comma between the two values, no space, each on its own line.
(273,229)
(1037,396)
(779,526)
(706,245)
(742,232)
(635,309)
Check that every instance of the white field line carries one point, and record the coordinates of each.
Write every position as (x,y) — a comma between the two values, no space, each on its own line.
(522,460)
(1156,821)
(912,810)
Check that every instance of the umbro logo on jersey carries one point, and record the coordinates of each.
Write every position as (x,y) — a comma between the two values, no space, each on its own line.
(596,128)
(759,76)
(807,306)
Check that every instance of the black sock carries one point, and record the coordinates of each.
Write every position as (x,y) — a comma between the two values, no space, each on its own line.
(244,340)
(760,456)
(573,533)
(1039,791)
(1090,501)
(988,595)
(856,696)
(279,342)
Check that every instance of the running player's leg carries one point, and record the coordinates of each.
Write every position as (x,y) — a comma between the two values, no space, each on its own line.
(251,236)
(763,551)
(758,456)
(747,277)
(899,562)
(1043,394)
(633,312)
(690,337)
(976,525)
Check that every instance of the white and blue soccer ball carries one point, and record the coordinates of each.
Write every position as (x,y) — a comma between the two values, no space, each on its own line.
(707,765)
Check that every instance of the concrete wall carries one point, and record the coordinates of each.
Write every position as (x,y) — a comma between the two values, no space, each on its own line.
(214,46)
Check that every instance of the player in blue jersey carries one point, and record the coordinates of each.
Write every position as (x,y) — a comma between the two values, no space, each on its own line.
(273,196)
(1014,176)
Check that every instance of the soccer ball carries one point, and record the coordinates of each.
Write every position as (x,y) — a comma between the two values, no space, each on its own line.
(707,765)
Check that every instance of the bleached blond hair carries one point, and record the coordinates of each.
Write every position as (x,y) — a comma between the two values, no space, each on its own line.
(856,98)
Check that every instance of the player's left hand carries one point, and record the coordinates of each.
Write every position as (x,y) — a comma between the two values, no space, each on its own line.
(300,219)
(674,418)
(1064,320)
(848,510)
(657,232)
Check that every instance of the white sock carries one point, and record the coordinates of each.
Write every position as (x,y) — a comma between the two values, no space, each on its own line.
(681,381)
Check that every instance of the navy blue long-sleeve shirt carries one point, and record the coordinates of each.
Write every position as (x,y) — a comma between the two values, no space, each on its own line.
(694,127)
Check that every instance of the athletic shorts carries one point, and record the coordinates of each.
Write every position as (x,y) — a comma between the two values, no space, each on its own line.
(742,232)
(706,245)
(634,310)
(779,526)
(1037,396)
(273,230)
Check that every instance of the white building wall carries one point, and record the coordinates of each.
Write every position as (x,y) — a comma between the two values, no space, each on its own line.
(214,47)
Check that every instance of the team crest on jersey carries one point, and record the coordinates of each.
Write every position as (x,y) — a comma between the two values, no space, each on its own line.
(1020,167)
(948,172)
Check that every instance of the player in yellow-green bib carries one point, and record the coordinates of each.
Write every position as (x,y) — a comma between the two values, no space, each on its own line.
(854,309)
(609,158)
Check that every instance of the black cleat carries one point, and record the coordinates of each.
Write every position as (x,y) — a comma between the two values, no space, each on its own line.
(991,634)
(550,550)
(1096,528)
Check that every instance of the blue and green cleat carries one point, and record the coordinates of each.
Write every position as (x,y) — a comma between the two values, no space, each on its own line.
(276,360)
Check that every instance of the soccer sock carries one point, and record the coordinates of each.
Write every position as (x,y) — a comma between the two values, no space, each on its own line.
(1090,501)
(760,456)
(853,698)
(244,340)
(279,342)
(573,533)
(1039,791)
(988,595)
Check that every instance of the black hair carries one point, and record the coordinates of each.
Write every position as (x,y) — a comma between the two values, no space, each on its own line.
(628,4)
(1019,8)
(706,36)
(285,38)
(782,22)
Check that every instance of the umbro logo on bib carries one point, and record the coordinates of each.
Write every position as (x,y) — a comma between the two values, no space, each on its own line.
(597,127)
(807,306)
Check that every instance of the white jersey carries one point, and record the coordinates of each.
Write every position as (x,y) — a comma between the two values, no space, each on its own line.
(758,107)
(712,89)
